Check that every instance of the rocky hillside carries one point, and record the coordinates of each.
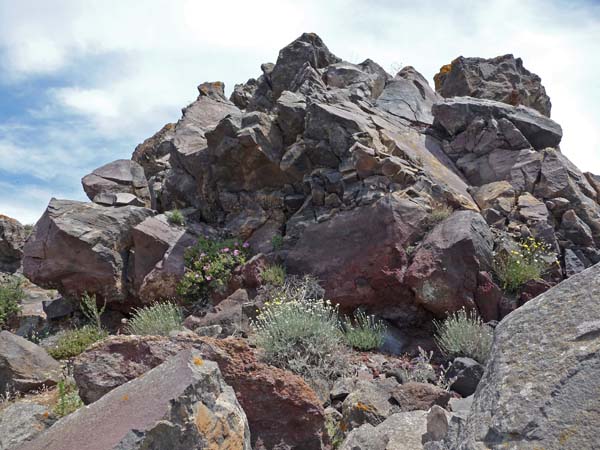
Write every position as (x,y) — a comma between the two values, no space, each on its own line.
(404,202)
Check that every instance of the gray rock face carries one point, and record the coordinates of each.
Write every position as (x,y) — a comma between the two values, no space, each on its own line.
(153,154)
(409,96)
(541,383)
(503,79)
(182,404)
(401,431)
(455,114)
(12,239)
(120,176)
(78,247)
(25,366)
(467,372)
(21,422)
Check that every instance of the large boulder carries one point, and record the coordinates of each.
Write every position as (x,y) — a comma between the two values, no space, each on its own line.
(153,154)
(21,422)
(355,274)
(12,239)
(120,176)
(25,366)
(83,247)
(455,114)
(541,383)
(182,404)
(282,409)
(503,79)
(444,271)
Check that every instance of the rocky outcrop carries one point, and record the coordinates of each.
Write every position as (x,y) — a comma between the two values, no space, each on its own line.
(181,404)
(503,79)
(12,240)
(21,422)
(25,366)
(107,184)
(83,247)
(540,386)
(281,408)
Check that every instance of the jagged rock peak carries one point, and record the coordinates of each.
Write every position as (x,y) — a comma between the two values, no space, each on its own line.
(502,78)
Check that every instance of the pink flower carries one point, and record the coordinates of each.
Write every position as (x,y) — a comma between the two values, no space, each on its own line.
(246,245)
(202,255)
(236,252)
(236,244)
(206,267)
(208,278)
(225,250)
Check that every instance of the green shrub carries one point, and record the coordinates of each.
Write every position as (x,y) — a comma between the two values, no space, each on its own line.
(464,334)
(300,332)
(208,266)
(277,241)
(176,218)
(364,332)
(273,274)
(11,295)
(530,261)
(439,213)
(156,320)
(73,342)
(68,399)
(89,308)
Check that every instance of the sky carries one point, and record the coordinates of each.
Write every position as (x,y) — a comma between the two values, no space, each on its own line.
(82,82)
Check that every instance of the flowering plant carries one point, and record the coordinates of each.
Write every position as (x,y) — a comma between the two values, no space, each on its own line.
(208,267)
(529,261)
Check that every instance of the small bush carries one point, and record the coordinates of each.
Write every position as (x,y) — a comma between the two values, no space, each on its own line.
(73,342)
(273,274)
(300,332)
(89,308)
(516,267)
(277,241)
(156,320)
(176,218)
(11,295)
(439,213)
(208,266)
(421,371)
(68,399)
(364,332)
(464,334)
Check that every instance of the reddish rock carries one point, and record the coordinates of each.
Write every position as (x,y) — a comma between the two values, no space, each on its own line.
(444,271)
(488,297)
(420,396)
(282,410)
(532,289)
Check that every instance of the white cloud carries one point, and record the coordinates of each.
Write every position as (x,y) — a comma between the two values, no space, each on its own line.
(129,66)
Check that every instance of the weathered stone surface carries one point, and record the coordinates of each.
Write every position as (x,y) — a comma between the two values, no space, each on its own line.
(227,314)
(281,408)
(401,431)
(502,78)
(408,96)
(353,274)
(12,240)
(308,48)
(467,373)
(499,195)
(455,114)
(183,403)
(120,176)
(444,270)
(20,422)
(98,240)
(540,387)
(414,396)
(118,199)
(369,402)
(25,366)
(153,154)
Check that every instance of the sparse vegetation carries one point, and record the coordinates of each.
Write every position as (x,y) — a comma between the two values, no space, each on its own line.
(68,399)
(208,266)
(277,242)
(71,343)
(364,332)
(89,308)
(28,229)
(301,332)
(530,261)
(273,275)
(464,334)
(156,320)
(421,371)
(175,217)
(11,295)
(439,213)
